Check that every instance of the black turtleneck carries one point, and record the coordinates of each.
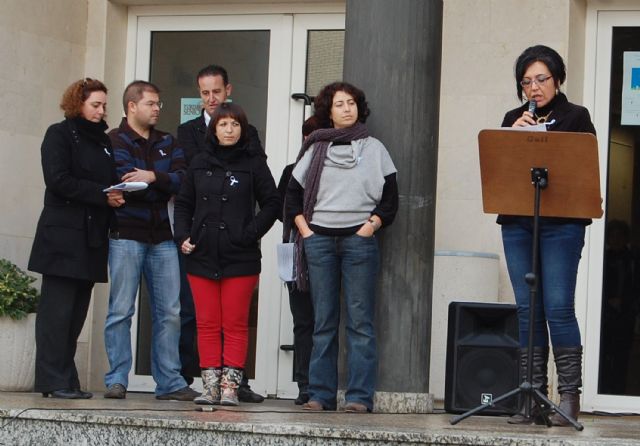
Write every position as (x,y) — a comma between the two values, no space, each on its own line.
(94,131)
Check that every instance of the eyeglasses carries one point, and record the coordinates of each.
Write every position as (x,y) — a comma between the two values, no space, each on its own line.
(539,80)
(152,104)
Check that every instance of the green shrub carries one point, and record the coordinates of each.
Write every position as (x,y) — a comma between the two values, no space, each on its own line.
(17,297)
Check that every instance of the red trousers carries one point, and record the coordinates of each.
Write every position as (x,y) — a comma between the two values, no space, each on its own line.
(222,316)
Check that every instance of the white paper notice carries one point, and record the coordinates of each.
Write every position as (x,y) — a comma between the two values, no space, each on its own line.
(128,187)
(631,88)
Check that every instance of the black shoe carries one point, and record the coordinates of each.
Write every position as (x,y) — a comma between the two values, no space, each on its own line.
(303,397)
(116,391)
(68,394)
(184,394)
(246,395)
(84,395)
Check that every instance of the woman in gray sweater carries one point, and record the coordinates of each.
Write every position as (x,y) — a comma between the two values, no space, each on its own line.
(343,190)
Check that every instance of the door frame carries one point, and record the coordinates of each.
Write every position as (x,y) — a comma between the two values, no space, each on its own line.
(302,23)
(284,120)
(602,16)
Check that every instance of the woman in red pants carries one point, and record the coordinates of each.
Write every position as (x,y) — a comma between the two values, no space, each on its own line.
(218,229)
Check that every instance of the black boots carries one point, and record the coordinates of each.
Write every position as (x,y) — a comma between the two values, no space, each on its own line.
(539,380)
(569,366)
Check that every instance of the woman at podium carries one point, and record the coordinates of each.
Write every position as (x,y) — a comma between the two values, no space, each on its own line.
(539,74)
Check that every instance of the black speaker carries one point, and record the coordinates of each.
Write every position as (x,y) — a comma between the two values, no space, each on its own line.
(482,357)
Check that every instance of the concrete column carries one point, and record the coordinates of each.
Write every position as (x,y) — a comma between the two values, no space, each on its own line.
(393,53)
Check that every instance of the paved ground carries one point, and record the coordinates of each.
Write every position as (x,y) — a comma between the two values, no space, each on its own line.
(432,428)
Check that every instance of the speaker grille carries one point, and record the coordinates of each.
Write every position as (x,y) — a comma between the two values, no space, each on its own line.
(481,372)
(482,357)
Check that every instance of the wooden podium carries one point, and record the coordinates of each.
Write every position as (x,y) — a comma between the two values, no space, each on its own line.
(506,160)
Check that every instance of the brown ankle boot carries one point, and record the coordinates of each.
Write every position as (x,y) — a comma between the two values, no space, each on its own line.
(539,380)
(569,365)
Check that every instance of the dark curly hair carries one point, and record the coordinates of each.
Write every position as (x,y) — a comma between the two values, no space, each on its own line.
(77,93)
(324,101)
(228,110)
(544,54)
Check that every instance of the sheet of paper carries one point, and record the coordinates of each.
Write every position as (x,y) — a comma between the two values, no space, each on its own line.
(285,261)
(128,187)
(531,128)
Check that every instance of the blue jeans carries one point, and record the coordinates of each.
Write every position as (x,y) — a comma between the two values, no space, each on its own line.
(348,264)
(560,251)
(159,263)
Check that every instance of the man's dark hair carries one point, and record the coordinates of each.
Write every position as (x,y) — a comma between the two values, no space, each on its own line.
(134,92)
(213,70)
(324,101)
(544,54)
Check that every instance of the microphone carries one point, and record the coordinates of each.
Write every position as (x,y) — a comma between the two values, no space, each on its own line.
(532,107)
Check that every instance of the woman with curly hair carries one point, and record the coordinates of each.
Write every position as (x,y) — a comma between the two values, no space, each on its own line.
(71,243)
(342,191)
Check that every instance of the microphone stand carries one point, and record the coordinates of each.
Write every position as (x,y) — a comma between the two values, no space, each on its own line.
(532,395)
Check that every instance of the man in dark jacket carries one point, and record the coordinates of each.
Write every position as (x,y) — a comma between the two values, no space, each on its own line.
(214,88)
(144,243)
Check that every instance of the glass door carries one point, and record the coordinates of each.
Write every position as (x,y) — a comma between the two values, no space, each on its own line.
(612,356)
(169,51)
(268,57)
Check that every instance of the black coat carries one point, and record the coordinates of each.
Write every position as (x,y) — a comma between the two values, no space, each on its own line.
(216,208)
(192,136)
(72,234)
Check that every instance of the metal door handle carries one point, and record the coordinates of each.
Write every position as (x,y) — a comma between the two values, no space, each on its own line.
(308,100)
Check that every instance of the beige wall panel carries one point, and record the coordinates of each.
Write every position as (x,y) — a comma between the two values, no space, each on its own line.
(481,41)
(42,51)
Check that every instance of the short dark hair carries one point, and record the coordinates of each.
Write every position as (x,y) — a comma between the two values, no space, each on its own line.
(77,93)
(213,70)
(228,110)
(134,92)
(324,100)
(310,125)
(544,54)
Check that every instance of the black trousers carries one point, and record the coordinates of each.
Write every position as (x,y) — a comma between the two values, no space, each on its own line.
(62,311)
(302,312)
(189,358)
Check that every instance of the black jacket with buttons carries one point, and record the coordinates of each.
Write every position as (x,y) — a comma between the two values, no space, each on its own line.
(72,235)
(216,208)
